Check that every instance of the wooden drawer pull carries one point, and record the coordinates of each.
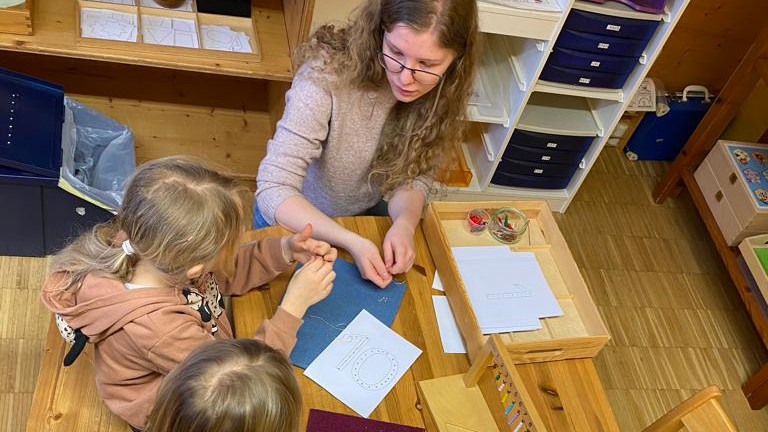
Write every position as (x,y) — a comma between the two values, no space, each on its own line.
(732,178)
(719,196)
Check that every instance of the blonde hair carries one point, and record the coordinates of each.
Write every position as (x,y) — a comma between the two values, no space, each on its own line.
(416,135)
(177,212)
(233,385)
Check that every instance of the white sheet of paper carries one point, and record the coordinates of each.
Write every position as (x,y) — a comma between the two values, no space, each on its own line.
(507,289)
(108,24)
(186,6)
(542,5)
(437,283)
(223,38)
(450,336)
(363,363)
(179,32)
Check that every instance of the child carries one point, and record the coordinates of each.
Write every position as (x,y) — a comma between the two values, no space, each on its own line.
(237,385)
(146,287)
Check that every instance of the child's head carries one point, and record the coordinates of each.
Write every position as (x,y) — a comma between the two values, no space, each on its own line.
(235,385)
(177,213)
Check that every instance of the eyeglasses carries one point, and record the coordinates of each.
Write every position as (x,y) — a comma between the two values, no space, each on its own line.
(420,76)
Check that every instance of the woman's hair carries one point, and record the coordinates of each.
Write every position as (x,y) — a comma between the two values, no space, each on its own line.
(177,212)
(233,385)
(416,135)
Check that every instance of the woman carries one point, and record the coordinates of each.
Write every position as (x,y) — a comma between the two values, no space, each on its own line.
(372,109)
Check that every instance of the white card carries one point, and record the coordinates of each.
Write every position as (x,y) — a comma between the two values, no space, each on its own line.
(363,363)
(450,336)
(108,24)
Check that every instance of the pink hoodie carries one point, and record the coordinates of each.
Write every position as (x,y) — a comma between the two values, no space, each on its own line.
(141,334)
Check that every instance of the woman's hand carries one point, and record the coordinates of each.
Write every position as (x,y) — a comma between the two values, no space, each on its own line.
(369,261)
(399,251)
(310,284)
(302,248)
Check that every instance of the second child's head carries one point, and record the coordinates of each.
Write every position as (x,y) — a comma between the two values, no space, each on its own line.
(177,213)
(235,385)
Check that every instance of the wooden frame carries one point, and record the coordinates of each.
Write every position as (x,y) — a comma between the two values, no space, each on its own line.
(701,412)
(17,19)
(246,25)
(493,383)
(579,333)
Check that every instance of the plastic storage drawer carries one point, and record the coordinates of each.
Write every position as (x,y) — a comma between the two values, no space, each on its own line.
(590,22)
(542,155)
(601,44)
(512,166)
(591,61)
(540,140)
(583,78)
(526,181)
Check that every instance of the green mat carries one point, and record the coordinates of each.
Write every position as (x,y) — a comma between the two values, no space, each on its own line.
(762,256)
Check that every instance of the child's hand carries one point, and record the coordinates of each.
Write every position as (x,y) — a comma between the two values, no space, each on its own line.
(309,285)
(302,248)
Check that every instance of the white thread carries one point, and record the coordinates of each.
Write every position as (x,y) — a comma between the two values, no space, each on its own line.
(128,248)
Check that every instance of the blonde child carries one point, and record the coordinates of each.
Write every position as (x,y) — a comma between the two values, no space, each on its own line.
(146,288)
(239,385)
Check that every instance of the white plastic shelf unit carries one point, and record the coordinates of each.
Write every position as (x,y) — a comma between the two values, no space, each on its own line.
(518,43)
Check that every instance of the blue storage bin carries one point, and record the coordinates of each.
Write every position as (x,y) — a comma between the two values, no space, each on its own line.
(587,61)
(540,140)
(526,181)
(583,78)
(511,166)
(542,155)
(591,22)
(601,44)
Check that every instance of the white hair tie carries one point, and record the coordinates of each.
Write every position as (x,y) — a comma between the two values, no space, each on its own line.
(128,248)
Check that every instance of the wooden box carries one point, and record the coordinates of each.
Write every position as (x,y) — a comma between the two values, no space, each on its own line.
(147,35)
(17,19)
(579,333)
(748,248)
(734,181)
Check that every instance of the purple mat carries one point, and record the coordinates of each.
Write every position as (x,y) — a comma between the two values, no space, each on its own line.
(326,421)
(650,6)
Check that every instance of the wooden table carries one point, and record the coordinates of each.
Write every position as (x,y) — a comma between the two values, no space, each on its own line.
(567,393)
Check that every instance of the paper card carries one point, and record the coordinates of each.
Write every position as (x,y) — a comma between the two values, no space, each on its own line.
(223,38)
(108,24)
(351,293)
(326,421)
(363,363)
(178,32)
(450,336)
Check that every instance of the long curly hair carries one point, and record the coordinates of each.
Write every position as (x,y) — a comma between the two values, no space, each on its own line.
(416,135)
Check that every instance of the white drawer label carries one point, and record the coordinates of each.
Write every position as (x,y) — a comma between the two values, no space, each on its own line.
(551,145)
(613,27)
(538,171)
(603,45)
(546,158)
(595,64)
(584,80)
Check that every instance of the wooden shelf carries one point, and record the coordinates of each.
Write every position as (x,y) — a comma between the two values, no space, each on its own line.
(55,33)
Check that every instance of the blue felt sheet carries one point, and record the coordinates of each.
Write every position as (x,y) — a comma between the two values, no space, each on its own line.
(350,294)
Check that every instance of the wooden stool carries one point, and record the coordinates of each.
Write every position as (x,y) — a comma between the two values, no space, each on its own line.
(701,412)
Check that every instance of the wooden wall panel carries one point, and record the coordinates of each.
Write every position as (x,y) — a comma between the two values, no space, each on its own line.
(708,42)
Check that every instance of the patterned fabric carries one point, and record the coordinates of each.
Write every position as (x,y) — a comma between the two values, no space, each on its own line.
(66,331)
(206,299)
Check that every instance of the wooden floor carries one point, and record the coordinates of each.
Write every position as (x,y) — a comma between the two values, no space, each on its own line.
(677,323)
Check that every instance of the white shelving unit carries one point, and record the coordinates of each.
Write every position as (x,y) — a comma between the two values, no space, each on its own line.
(517,45)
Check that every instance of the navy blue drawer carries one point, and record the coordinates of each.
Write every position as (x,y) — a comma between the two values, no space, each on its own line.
(519,180)
(66,216)
(591,61)
(547,141)
(600,44)
(590,22)
(583,78)
(511,166)
(542,155)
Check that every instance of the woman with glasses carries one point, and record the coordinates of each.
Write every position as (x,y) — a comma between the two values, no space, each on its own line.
(373,107)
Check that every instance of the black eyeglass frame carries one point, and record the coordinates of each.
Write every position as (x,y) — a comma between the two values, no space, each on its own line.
(413,71)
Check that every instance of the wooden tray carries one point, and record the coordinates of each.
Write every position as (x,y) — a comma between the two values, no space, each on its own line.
(747,248)
(17,19)
(245,25)
(579,333)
